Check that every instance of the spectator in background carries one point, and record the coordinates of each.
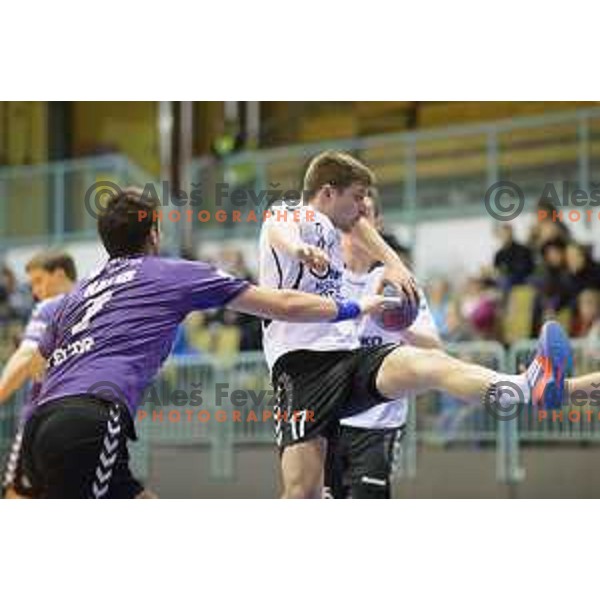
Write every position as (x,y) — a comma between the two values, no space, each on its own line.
(8,285)
(232,260)
(391,240)
(583,272)
(587,319)
(547,226)
(480,305)
(456,328)
(513,261)
(439,300)
(552,284)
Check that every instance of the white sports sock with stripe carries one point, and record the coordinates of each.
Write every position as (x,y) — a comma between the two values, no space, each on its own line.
(511,389)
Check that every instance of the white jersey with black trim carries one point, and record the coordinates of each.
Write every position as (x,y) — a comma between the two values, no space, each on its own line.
(387,415)
(278,270)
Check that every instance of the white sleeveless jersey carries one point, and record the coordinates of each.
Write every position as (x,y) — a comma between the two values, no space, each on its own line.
(278,270)
(387,415)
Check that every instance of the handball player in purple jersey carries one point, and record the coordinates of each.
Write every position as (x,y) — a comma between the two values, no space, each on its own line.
(109,338)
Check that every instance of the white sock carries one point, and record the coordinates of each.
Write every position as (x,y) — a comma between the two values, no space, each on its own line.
(511,389)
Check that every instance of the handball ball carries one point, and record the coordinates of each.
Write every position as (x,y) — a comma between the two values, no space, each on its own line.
(398,316)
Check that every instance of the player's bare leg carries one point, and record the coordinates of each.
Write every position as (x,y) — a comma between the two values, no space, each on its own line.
(419,369)
(302,469)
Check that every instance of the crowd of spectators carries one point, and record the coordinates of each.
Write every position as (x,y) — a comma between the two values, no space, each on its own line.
(15,298)
(15,305)
(558,275)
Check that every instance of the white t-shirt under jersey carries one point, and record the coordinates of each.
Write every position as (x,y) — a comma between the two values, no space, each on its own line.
(278,270)
(388,415)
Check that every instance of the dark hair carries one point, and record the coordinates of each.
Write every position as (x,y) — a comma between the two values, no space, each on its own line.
(52,260)
(557,243)
(125,223)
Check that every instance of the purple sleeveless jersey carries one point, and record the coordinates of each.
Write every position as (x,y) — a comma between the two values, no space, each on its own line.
(114,330)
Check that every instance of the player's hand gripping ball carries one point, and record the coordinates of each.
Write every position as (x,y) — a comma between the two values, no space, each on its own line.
(397,315)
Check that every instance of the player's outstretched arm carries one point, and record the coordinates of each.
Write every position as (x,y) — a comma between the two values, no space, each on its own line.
(396,272)
(25,362)
(289,305)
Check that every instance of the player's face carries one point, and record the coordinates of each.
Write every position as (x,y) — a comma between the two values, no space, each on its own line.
(45,284)
(348,205)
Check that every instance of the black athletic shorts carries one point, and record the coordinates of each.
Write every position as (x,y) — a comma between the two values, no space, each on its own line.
(77,448)
(359,462)
(314,389)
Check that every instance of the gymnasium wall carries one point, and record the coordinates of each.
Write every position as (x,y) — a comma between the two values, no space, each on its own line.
(23,133)
(130,128)
(305,122)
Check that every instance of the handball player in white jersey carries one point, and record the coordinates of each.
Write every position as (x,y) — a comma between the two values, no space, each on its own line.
(318,369)
(51,275)
(360,453)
